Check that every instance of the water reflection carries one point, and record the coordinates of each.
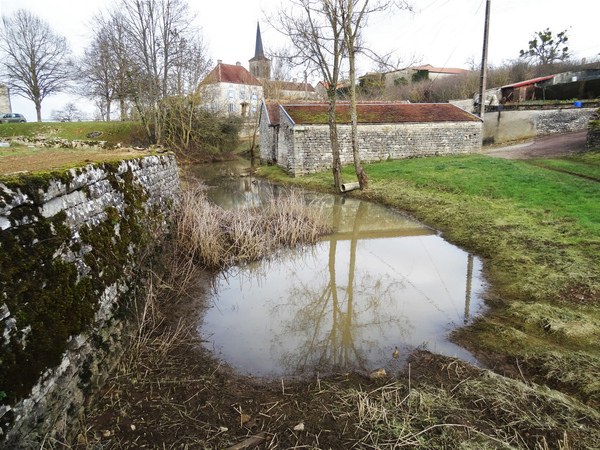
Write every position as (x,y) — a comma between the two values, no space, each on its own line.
(379,282)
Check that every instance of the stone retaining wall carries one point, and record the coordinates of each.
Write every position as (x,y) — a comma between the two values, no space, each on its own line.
(593,136)
(505,126)
(72,252)
(377,142)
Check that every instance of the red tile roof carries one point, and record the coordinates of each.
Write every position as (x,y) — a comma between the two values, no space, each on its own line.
(380,113)
(273,112)
(228,73)
(528,82)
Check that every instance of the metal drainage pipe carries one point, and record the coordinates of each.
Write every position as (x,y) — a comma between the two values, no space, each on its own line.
(347,187)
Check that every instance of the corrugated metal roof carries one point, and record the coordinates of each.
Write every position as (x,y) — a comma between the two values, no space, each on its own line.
(228,73)
(527,82)
(380,113)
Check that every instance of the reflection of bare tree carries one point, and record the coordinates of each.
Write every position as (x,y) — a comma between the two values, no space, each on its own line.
(329,320)
(468,289)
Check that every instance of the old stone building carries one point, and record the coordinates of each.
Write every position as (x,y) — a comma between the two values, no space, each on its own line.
(296,136)
(4,100)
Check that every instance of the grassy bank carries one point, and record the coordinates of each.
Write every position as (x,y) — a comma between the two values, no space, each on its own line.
(540,338)
(536,224)
(125,133)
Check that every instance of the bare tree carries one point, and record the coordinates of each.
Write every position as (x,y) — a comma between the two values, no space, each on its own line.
(315,31)
(101,70)
(70,113)
(35,58)
(157,32)
(353,18)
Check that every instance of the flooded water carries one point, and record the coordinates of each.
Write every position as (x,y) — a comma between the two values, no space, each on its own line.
(380,282)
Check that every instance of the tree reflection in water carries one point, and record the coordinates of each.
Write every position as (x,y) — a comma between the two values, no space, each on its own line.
(380,281)
(332,332)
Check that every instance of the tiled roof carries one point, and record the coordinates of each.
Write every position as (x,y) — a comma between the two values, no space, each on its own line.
(228,73)
(380,113)
(273,111)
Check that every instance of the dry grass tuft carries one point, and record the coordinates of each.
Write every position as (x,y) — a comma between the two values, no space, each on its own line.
(217,238)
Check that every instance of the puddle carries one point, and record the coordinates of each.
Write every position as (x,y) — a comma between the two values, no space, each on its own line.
(380,282)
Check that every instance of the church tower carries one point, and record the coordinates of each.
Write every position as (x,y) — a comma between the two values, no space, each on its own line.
(260,65)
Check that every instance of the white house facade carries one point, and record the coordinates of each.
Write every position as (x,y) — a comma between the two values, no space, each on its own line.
(231,89)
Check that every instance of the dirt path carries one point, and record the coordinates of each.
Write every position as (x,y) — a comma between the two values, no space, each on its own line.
(543,147)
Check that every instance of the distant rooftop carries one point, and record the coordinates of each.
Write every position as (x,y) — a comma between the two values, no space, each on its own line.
(228,73)
(447,70)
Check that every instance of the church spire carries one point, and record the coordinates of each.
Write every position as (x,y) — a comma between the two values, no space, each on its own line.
(258,52)
(260,65)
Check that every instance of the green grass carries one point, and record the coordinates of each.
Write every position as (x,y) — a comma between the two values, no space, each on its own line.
(113,132)
(585,165)
(538,232)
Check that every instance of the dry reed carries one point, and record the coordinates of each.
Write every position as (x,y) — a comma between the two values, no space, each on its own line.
(216,238)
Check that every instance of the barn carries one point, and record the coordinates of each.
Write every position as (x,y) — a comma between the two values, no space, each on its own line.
(296,136)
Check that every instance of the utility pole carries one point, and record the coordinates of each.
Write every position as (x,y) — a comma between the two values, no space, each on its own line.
(484,60)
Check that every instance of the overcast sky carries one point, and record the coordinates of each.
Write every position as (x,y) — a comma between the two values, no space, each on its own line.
(443,33)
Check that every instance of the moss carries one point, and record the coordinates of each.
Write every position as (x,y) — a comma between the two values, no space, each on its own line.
(47,293)
(55,309)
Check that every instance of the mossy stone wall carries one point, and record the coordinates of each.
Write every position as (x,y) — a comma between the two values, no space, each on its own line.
(593,136)
(73,247)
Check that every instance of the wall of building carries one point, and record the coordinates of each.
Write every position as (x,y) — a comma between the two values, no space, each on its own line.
(227,98)
(4,100)
(505,126)
(309,149)
(72,250)
(267,138)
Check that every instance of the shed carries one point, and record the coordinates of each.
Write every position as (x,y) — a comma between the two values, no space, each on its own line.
(296,136)
(524,90)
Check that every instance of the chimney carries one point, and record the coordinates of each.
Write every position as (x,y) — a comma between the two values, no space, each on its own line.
(219,61)
(294,80)
(237,63)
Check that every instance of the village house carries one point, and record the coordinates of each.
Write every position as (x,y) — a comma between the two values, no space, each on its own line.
(232,89)
(296,136)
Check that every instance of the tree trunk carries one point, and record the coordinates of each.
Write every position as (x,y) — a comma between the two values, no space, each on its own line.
(335,145)
(360,173)
(108,102)
(38,109)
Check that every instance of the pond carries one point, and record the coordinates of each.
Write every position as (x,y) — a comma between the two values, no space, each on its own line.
(378,287)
